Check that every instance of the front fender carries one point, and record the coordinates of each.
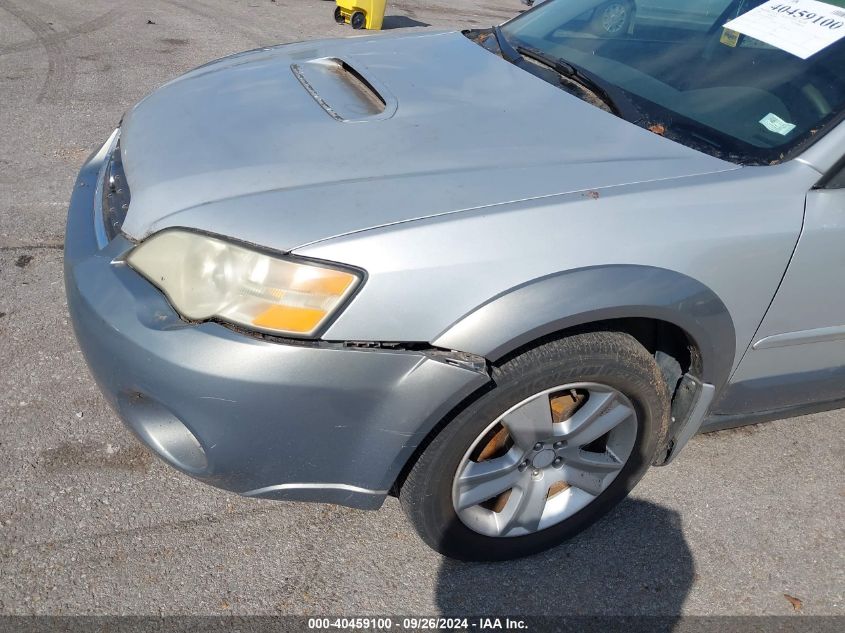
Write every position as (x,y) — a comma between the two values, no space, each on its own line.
(586,295)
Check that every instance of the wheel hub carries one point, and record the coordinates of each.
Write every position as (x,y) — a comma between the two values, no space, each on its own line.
(544,458)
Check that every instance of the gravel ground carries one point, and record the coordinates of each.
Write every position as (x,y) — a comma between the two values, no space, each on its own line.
(90,523)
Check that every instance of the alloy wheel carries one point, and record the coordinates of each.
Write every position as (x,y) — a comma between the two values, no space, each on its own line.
(544,459)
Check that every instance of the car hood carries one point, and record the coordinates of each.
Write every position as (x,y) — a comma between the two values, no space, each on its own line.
(293,144)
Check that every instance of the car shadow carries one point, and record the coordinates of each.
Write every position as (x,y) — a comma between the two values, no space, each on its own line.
(634,562)
(400,22)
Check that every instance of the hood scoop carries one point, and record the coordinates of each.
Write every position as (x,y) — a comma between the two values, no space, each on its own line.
(346,93)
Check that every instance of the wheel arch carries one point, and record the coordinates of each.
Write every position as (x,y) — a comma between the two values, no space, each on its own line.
(664,310)
(624,295)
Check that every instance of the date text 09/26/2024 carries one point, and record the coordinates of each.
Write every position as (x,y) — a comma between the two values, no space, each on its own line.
(418,624)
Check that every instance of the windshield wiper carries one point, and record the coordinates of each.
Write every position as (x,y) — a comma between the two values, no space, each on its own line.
(615,98)
(618,102)
(509,53)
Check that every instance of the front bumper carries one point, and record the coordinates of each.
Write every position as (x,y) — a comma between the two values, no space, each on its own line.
(310,421)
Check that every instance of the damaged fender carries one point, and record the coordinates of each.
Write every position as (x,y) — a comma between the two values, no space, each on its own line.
(579,297)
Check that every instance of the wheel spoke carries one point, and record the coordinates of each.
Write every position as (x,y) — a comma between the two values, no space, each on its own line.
(531,422)
(571,501)
(600,414)
(586,480)
(525,512)
(596,463)
(481,481)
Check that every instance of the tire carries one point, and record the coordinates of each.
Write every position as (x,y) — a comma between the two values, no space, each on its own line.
(358,20)
(612,19)
(596,362)
(338,15)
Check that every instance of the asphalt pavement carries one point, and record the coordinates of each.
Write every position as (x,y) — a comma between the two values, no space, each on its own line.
(90,523)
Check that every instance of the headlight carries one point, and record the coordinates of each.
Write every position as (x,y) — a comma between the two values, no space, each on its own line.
(205,277)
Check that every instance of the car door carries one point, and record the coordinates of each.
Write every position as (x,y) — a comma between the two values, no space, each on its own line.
(798,353)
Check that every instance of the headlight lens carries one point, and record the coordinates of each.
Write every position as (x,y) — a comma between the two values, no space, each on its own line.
(205,277)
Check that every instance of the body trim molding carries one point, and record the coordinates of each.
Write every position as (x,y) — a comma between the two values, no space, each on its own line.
(817,335)
(343,487)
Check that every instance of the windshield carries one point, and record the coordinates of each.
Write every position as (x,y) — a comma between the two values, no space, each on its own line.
(692,80)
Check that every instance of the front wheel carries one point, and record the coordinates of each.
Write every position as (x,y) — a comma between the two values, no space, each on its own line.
(571,426)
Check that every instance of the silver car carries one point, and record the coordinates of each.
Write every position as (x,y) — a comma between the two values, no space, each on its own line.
(497,273)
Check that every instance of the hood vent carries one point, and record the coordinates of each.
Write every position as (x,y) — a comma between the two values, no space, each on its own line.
(344,92)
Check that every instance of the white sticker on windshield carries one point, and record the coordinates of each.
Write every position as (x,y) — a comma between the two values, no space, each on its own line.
(774,123)
(799,27)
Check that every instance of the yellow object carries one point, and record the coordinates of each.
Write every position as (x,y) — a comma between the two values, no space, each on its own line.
(729,38)
(289,319)
(361,13)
